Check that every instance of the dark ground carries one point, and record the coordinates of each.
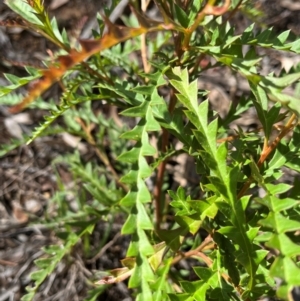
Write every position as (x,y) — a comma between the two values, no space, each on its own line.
(27,178)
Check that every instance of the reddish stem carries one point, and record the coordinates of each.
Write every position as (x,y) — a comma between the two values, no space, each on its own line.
(162,167)
(267,150)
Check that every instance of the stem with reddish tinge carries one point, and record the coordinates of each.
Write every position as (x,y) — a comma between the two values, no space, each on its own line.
(209,9)
(160,180)
(267,150)
(208,240)
(208,243)
(162,167)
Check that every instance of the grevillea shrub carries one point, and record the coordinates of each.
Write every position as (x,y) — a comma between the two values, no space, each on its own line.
(237,230)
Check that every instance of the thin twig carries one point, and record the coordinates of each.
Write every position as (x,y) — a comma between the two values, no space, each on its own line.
(209,9)
(207,241)
(197,253)
(160,180)
(267,150)
(5,262)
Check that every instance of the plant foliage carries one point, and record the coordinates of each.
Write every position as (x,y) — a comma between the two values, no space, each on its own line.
(243,219)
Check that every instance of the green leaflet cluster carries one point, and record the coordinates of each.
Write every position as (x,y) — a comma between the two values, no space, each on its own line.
(16,83)
(106,194)
(70,98)
(227,49)
(222,37)
(282,220)
(55,254)
(286,154)
(138,221)
(240,231)
(82,222)
(223,179)
(37,18)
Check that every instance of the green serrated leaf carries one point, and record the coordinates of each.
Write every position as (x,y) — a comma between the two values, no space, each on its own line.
(280,82)
(136,132)
(173,238)
(156,259)
(138,111)
(261,104)
(132,155)
(280,223)
(203,273)
(284,244)
(25,10)
(143,219)
(182,16)
(39,275)
(191,223)
(278,188)
(278,205)
(181,297)
(286,269)
(28,296)
(200,293)
(129,226)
